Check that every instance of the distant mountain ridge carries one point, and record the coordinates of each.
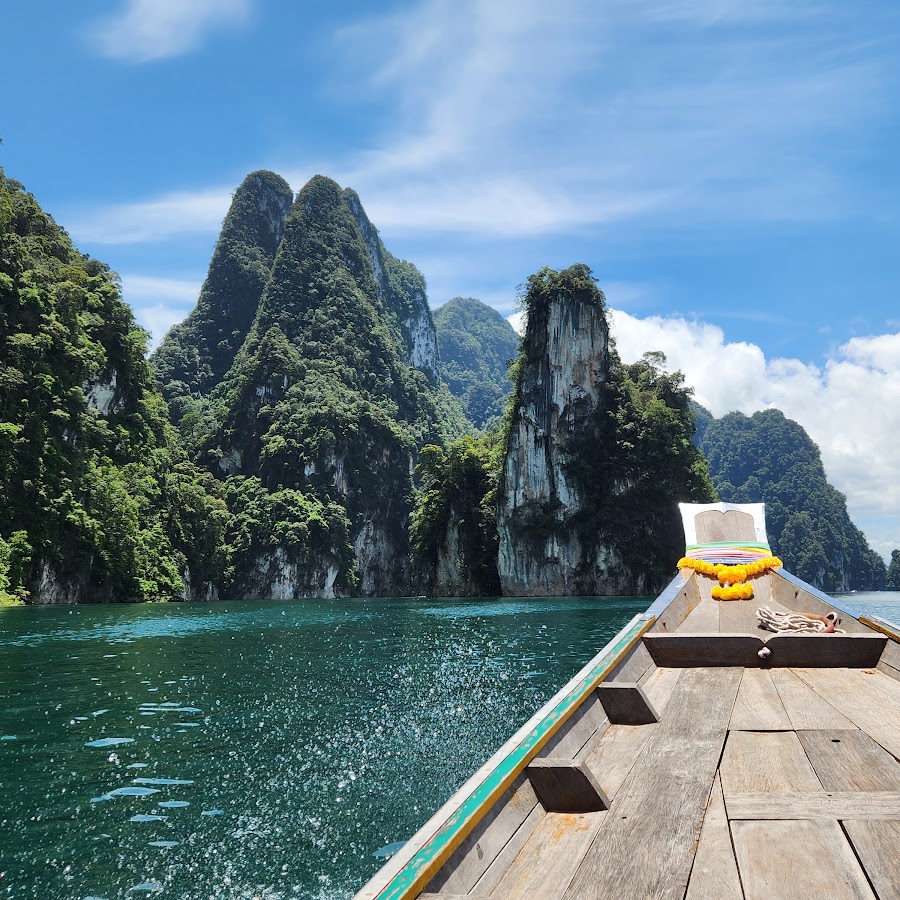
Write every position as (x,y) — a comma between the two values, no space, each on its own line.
(476,346)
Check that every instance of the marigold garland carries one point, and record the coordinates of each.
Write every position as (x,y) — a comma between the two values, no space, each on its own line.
(732,578)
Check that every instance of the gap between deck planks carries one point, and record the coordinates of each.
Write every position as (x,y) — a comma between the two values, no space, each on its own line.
(714,875)
(646,845)
(758,706)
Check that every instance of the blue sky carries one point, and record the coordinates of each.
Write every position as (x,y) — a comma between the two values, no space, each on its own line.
(728,169)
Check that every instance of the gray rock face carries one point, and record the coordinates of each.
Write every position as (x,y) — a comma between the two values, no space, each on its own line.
(274,575)
(417,332)
(566,365)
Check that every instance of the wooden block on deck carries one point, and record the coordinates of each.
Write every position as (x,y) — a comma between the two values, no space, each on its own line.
(565,786)
(825,650)
(815,805)
(793,860)
(877,845)
(686,650)
(626,704)
(850,761)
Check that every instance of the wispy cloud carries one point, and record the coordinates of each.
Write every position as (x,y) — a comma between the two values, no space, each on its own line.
(508,118)
(514,118)
(147,30)
(145,221)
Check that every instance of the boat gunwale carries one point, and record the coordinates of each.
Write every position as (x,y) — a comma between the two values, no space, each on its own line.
(409,872)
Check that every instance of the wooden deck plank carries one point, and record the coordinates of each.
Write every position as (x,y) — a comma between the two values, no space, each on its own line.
(704,617)
(805,708)
(633,666)
(545,865)
(740,615)
(868,709)
(583,725)
(877,845)
(814,805)
(715,875)
(791,860)
(765,761)
(658,685)
(470,860)
(850,761)
(648,841)
(758,706)
(503,860)
(616,754)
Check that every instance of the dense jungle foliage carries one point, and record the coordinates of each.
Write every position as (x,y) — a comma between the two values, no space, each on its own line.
(459,491)
(769,458)
(476,345)
(97,499)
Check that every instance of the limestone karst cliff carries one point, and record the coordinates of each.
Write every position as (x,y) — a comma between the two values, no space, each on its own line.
(315,425)
(597,457)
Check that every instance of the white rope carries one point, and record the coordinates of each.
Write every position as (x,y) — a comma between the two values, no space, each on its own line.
(787,622)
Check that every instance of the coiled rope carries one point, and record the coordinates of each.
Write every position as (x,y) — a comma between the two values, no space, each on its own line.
(787,622)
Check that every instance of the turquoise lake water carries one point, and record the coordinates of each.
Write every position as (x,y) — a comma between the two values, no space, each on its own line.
(262,750)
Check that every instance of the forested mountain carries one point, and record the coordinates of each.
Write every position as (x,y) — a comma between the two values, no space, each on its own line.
(318,450)
(476,345)
(97,499)
(316,423)
(769,458)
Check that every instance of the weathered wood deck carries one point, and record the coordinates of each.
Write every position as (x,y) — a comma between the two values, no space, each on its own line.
(753,783)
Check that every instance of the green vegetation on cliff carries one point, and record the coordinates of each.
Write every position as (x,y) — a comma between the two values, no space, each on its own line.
(457,503)
(893,572)
(769,458)
(97,500)
(475,344)
(196,354)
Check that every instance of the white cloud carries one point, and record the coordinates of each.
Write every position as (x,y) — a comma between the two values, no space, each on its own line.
(850,406)
(159,219)
(159,303)
(147,30)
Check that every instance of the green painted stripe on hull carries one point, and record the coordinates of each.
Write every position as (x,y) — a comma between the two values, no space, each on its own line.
(414,876)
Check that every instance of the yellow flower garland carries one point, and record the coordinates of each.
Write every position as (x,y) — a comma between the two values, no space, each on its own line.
(732,579)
